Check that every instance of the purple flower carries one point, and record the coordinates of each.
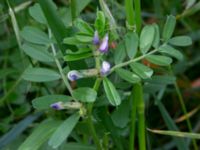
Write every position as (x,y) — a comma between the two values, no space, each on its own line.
(74,75)
(104,44)
(96,38)
(57,106)
(105,68)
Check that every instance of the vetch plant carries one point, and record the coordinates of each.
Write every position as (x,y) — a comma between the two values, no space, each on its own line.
(100,91)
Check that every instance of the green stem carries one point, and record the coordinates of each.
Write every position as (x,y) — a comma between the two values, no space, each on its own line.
(59,66)
(129,13)
(90,122)
(73,9)
(138,15)
(185,113)
(133,99)
(141,115)
(132,60)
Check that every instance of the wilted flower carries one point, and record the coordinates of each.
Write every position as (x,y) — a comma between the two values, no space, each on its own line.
(57,106)
(96,38)
(104,44)
(74,75)
(105,68)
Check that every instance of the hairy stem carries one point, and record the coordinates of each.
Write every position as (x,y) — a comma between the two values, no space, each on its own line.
(59,67)
(132,60)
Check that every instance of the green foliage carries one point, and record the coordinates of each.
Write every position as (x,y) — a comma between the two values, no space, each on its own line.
(111,92)
(63,131)
(85,94)
(40,75)
(49,56)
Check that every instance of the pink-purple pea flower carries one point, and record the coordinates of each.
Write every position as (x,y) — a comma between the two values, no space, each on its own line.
(105,68)
(57,106)
(74,75)
(96,40)
(104,44)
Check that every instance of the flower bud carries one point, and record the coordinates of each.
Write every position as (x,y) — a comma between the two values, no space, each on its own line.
(57,106)
(104,44)
(105,68)
(96,38)
(74,75)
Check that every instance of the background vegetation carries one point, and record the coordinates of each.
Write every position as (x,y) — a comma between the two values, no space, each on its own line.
(167,99)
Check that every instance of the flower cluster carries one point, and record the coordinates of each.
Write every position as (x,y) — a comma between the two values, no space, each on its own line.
(102,47)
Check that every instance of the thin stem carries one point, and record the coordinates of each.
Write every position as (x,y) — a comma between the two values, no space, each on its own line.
(90,122)
(138,15)
(73,9)
(129,12)
(141,115)
(132,60)
(185,113)
(133,99)
(59,66)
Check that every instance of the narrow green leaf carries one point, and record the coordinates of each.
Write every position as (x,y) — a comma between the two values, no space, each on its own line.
(35,35)
(162,79)
(37,52)
(156,40)
(55,23)
(127,75)
(141,70)
(85,94)
(71,41)
(181,143)
(100,22)
(120,53)
(36,12)
(169,27)
(63,131)
(83,26)
(176,133)
(111,92)
(131,43)
(166,49)
(40,135)
(40,75)
(146,38)
(44,102)
(180,41)
(81,37)
(159,60)
(75,57)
